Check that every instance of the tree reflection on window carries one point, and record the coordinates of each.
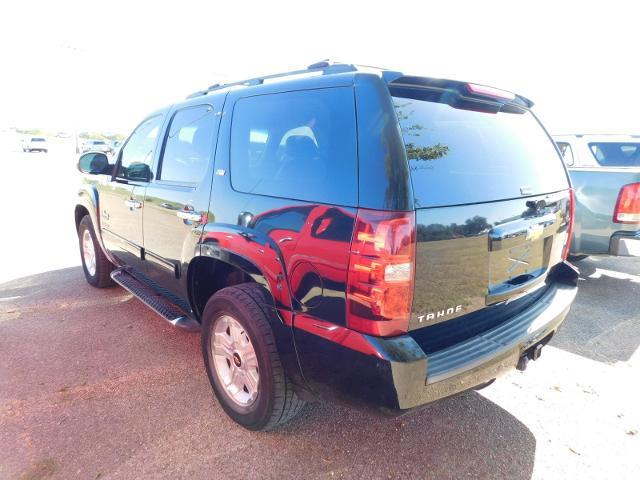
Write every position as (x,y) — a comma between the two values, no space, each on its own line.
(430,152)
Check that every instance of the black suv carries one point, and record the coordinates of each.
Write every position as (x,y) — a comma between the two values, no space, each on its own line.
(339,232)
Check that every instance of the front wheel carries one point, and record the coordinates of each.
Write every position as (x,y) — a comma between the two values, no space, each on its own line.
(242,360)
(97,267)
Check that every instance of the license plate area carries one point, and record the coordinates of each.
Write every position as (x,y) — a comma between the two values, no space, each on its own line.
(518,258)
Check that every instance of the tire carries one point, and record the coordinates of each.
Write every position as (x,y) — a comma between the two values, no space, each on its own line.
(96,272)
(275,401)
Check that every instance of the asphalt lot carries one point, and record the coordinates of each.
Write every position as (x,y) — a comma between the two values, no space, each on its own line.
(94,385)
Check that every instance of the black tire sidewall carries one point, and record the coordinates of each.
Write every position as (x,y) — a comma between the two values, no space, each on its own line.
(256,415)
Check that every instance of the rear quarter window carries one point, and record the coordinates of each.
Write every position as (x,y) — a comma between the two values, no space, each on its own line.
(299,145)
(616,154)
(462,155)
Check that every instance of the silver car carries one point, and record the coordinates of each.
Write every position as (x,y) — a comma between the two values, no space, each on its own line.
(605,173)
(96,146)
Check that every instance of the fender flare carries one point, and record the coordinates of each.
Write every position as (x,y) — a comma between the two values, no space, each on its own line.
(275,282)
(88,198)
(253,252)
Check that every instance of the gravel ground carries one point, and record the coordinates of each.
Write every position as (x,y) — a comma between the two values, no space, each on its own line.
(95,385)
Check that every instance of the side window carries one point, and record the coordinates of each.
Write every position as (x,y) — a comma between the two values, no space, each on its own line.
(137,155)
(299,145)
(188,145)
(567,153)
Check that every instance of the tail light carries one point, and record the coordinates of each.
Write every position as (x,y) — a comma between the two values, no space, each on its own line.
(572,214)
(381,272)
(628,205)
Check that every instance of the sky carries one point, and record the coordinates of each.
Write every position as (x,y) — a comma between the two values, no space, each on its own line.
(103,65)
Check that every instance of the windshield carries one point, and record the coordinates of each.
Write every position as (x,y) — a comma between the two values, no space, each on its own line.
(476,153)
(616,154)
(37,139)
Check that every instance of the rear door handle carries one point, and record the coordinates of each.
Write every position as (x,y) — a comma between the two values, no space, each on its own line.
(132,203)
(190,216)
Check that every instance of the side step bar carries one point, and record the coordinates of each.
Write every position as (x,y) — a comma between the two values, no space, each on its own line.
(159,303)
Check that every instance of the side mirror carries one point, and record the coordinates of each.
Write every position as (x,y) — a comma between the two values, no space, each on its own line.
(94,163)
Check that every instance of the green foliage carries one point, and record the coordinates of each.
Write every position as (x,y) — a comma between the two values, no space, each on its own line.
(432,152)
(101,136)
(436,231)
(30,131)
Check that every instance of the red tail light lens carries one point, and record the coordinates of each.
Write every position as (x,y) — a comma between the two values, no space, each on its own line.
(628,206)
(381,272)
(572,214)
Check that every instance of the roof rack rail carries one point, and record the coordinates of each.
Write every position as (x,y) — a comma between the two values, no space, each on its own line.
(327,67)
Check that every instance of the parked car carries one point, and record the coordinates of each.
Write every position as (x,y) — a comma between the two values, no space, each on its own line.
(35,144)
(339,233)
(605,172)
(96,146)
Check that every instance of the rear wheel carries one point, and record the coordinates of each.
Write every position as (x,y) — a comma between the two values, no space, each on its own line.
(242,360)
(97,267)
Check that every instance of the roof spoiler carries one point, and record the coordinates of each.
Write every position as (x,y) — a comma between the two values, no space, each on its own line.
(464,89)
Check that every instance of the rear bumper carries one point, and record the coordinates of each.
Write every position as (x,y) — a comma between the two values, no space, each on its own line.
(397,374)
(485,357)
(625,244)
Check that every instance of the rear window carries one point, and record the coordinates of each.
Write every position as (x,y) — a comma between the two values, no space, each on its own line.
(459,156)
(36,139)
(614,154)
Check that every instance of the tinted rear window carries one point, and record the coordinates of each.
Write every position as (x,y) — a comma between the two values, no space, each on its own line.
(459,156)
(614,154)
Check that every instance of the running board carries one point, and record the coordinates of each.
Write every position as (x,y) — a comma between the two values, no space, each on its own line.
(157,302)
